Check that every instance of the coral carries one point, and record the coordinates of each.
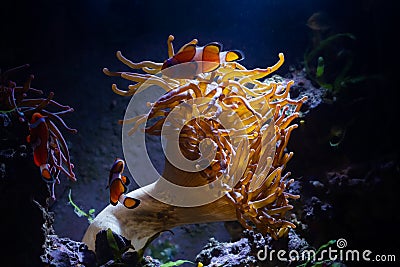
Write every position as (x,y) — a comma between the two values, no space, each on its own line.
(14,101)
(246,122)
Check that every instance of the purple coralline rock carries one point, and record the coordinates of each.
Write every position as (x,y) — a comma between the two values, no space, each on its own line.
(240,253)
(62,252)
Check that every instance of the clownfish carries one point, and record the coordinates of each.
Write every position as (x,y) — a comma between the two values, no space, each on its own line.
(199,60)
(118,186)
(38,138)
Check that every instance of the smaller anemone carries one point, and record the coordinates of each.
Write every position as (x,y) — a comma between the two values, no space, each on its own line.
(16,100)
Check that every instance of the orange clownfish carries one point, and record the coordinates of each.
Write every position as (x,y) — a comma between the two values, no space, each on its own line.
(118,186)
(199,60)
(38,137)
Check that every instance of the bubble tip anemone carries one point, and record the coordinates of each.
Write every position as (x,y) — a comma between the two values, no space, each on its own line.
(15,98)
(265,113)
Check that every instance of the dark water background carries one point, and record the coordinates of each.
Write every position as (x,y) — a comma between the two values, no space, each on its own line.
(54,32)
(67,43)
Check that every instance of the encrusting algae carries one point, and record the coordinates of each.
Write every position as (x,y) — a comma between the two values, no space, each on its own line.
(247,125)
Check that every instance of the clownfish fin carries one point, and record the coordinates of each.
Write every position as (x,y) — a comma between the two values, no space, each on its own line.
(211,57)
(234,55)
(28,138)
(214,47)
(118,166)
(125,180)
(45,173)
(186,46)
(114,203)
(186,54)
(129,202)
(211,52)
(209,66)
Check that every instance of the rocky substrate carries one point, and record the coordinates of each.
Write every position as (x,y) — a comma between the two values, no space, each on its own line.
(22,196)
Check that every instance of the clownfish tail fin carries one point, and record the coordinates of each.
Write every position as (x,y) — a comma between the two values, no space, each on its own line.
(129,202)
(217,46)
(234,55)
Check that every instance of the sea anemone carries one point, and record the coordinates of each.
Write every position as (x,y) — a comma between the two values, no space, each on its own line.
(233,128)
(17,101)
